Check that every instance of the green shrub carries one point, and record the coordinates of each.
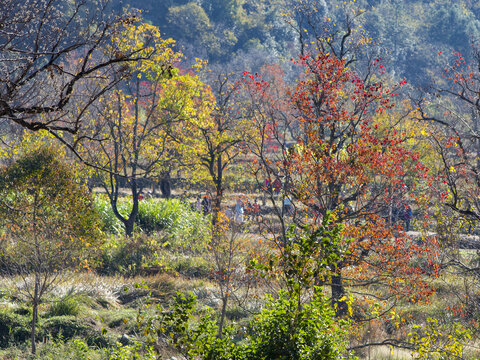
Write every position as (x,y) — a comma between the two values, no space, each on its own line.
(178,229)
(66,326)
(283,330)
(128,256)
(236,313)
(180,224)
(14,329)
(124,318)
(23,310)
(183,226)
(109,222)
(314,335)
(192,266)
(58,349)
(133,352)
(66,306)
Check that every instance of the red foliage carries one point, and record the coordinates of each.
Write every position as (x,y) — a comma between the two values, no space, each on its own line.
(336,156)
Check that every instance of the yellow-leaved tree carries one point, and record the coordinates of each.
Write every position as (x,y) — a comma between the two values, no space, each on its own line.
(127,139)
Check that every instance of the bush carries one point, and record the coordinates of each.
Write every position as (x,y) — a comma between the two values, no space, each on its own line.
(128,256)
(181,225)
(314,335)
(14,329)
(66,326)
(66,306)
(283,330)
(182,231)
(109,222)
(58,349)
(193,267)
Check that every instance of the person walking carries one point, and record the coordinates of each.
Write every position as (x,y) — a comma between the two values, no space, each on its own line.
(205,205)
(407,216)
(239,212)
(277,187)
(198,205)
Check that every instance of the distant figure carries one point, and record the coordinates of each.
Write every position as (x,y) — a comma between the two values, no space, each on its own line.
(268,186)
(229,213)
(256,209)
(277,186)
(198,205)
(248,211)
(407,216)
(287,205)
(140,196)
(205,205)
(238,212)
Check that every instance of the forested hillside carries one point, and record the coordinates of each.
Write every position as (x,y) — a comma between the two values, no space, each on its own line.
(408,34)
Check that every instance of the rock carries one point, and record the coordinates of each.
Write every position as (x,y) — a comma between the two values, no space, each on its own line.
(124,339)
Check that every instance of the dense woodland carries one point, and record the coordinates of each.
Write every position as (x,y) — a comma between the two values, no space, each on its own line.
(239,179)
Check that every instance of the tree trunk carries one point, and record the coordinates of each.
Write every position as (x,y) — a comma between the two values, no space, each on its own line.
(165,188)
(129,224)
(338,291)
(218,180)
(35,313)
(222,315)
(216,205)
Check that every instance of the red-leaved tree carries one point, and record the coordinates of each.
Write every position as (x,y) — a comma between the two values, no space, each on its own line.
(325,140)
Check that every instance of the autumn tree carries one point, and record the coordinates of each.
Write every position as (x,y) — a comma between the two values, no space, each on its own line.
(229,253)
(210,141)
(454,128)
(52,51)
(324,137)
(49,224)
(131,125)
(451,114)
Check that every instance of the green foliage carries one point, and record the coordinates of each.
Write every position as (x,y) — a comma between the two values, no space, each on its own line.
(49,218)
(14,328)
(129,256)
(189,21)
(283,330)
(109,222)
(58,349)
(131,352)
(55,349)
(437,340)
(191,266)
(188,228)
(66,326)
(182,230)
(308,255)
(65,307)
(69,327)
(181,225)
(296,325)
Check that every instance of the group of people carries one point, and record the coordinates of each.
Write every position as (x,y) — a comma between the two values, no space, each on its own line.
(235,213)
(203,205)
(273,188)
(400,212)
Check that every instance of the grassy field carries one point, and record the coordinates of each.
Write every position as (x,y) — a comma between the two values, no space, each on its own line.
(90,312)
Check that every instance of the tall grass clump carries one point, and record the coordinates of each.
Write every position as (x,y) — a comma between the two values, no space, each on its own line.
(180,225)
(109,222)
(164,230)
